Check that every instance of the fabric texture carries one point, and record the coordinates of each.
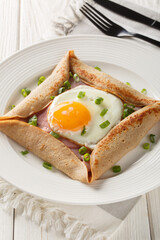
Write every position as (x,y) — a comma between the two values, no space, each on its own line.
(66,20)
(79,222)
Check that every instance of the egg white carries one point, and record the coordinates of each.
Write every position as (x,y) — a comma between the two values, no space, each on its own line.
(94,132)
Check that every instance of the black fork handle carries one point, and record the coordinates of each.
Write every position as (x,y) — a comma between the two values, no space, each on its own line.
(154,42)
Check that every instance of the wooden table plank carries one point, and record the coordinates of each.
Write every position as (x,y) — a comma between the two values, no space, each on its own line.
(34,19)
(26,229)
(9,43)
(153,199)
(6,224)
(9,27)
(136,225)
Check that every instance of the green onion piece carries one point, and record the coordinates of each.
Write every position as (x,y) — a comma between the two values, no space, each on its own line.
(99,100)
(144,91)
(25,92)
(152,138)
(61,90)
(99,69)
(125,104)
(83,131)
(104,124)
(125,113)
(127,110)
(116,168)
(70,74)
(67,85)
(81,94)
(56,135)
(103,112)
(52,97)
(146,146)
(24,152)
(82,150)
(128,84)
(33,120)
(86,157)
(47,165)
(13,106)
(76,77)
(41,79)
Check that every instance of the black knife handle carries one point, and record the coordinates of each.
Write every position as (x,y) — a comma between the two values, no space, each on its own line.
(147,39)
(128,13)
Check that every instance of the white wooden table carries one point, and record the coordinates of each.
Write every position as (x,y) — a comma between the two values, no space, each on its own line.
(21,26)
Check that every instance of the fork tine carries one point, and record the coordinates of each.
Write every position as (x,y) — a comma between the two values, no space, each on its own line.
(93,21)
(100,14)
(93,14)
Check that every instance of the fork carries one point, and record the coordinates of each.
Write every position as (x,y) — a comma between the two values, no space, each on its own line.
(110,28)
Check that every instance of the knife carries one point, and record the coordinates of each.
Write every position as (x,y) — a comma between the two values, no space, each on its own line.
(128,13)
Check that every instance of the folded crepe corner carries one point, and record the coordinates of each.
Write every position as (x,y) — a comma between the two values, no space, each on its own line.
(105,82)
(46,147)
(123,138)
(39,98)
(120,140)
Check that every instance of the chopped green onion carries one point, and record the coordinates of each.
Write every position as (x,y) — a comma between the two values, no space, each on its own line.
(86,157)
(67,85)
(104,124)
(125,113)
(127,110)
(152,138)
(52,97)
(116,168)
(25,92)
(81,94)
(128,84)
(103,112)
(99,69)
(24,152)
(33,120)
(41,79)
(146,146)
(13,106)
(83,131)
(70,74)
(56,135)
(99,100)
(82,150)
(144,91)
(47,165)
(61,90)
(76,77)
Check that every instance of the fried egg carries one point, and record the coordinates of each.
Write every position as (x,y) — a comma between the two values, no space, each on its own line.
(75,115)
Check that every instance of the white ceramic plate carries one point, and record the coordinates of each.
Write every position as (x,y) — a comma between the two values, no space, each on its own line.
(123,59)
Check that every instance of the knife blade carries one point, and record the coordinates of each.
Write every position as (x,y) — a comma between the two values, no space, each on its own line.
(128,13)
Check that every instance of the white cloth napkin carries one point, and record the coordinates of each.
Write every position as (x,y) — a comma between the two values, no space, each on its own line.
(79,222)
(65,20)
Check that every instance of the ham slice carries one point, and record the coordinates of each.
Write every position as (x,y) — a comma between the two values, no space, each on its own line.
(43,124)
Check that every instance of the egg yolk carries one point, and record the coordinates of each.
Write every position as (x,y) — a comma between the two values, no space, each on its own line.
(70,116)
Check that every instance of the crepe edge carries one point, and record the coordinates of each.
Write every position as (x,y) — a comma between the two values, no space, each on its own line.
(105,82)
(148,115)
(26,135)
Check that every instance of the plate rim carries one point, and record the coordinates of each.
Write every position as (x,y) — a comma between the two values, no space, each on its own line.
(81,36)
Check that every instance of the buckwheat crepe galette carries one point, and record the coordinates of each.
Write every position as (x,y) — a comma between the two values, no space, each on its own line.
(83,109)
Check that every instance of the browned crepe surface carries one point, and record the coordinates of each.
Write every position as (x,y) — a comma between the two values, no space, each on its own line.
(39,98)
(46,147)
(123,138)
(105,82)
